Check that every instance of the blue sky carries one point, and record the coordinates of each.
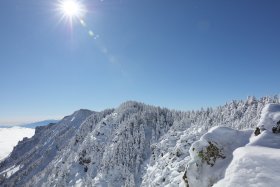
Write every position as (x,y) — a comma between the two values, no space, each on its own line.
(180,54)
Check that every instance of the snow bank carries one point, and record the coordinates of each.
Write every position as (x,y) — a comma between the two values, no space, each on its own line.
(253,166)
(9,138)
(211,155)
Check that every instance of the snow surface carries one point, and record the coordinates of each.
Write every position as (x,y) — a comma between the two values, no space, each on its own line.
(253,166)
(9,138)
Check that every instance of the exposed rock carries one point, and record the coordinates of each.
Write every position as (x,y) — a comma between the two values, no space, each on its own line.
(211,154)
(257,131)
(276,129)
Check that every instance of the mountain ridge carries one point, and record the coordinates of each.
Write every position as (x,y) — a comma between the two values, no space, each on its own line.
(132,145)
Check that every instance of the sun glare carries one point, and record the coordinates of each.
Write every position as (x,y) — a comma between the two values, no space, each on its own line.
(71,9)
(74,11)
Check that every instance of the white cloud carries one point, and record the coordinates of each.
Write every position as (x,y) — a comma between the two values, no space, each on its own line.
(9,138)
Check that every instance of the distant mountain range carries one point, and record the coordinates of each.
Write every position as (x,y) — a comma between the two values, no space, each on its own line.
(32,125)
(39,123)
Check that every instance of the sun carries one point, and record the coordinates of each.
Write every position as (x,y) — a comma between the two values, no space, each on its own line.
(71,9)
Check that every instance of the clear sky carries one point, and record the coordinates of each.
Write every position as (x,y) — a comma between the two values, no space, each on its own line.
(182,54)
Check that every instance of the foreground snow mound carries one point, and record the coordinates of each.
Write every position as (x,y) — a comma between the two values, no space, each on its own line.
(253,166)
(9,137)
(211,155)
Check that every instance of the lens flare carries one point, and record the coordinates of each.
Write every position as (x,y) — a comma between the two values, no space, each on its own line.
(90,33)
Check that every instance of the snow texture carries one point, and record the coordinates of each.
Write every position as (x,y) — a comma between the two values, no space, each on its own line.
(253,166)
(132,145)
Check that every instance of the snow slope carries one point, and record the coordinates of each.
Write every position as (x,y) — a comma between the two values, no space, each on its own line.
(132,145)
(9,138)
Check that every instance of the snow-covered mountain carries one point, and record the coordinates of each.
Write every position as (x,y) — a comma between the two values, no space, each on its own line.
(132,145)
(11,135)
